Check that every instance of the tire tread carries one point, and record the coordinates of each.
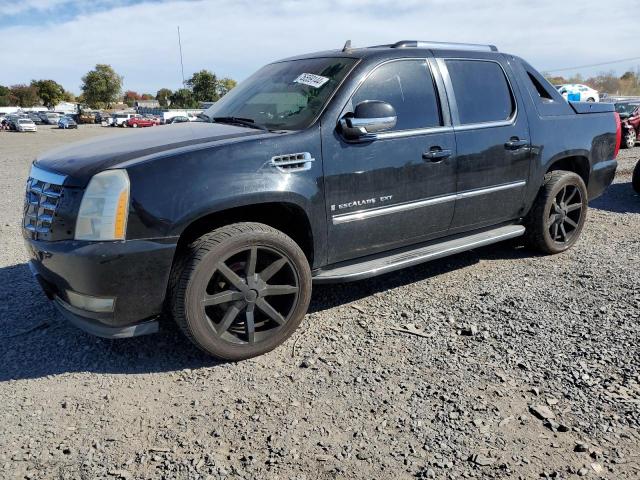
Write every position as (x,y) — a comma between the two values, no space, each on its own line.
(187,263)
(534,223)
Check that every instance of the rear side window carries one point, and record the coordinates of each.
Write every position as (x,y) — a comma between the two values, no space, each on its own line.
(408,86)
(481,90)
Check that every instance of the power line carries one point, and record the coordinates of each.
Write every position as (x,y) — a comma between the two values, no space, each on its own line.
(579,67)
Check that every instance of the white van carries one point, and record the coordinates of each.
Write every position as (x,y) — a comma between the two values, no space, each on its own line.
(119,119)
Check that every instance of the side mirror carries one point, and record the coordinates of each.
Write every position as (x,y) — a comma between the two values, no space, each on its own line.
(369,117)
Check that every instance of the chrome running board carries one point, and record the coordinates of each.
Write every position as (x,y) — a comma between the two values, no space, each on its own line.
(373,265)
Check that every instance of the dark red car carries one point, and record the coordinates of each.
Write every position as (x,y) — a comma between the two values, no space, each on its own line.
(136,122)
(630,118)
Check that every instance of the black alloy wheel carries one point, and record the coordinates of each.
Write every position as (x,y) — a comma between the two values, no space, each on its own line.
(240,290)
(251,295)
(558,214)
(565,214)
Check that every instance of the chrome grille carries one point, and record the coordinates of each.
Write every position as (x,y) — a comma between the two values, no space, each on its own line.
(43,195)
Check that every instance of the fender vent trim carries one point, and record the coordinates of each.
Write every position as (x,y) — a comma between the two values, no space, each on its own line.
(292,162)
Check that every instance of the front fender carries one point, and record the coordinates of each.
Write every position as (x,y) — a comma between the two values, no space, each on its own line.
(171,192)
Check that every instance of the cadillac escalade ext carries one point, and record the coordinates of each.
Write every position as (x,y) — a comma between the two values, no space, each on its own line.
(328,167)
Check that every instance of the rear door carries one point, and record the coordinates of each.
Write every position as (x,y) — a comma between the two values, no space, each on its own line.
(492,138)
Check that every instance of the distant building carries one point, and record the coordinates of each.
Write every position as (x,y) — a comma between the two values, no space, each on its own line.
(147,104)
(8,110)
(117,107)
(66,107)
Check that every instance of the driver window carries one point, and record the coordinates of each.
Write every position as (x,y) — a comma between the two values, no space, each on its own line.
(408,86)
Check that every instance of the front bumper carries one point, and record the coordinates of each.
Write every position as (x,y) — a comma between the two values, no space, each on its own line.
(601,177)
(133,273)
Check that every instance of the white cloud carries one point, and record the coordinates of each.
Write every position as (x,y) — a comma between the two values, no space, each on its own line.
(233,38)
(14,8)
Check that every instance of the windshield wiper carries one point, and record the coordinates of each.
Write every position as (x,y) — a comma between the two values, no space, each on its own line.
(246,122)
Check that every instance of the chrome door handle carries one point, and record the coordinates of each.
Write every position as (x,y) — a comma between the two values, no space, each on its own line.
(516,143)
(436,154)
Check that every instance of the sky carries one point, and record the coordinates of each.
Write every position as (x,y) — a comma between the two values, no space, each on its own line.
(63,39)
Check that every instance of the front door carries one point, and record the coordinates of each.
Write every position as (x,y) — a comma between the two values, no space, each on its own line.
(492,136)
(391,191)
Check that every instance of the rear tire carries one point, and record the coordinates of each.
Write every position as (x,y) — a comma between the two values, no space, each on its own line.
(558,214)
(629,140)
(240,290)
(635,180)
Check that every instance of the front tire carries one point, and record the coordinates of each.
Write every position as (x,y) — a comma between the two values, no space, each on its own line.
(240,290)
(558,214)
(635,180)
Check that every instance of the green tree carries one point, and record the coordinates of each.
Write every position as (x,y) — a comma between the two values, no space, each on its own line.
(224,86)
(164,97)
(101,86)
(69,97)
(25,95)
(183,98)
(5,96)
(50,92)
(146,96)
(130,97)
(204,85)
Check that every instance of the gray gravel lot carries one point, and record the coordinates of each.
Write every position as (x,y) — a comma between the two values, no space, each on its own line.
(493,363)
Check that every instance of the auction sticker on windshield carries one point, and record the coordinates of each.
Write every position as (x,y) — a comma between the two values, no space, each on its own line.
(311,80)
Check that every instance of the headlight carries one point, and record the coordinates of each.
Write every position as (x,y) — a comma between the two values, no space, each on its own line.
(104,208)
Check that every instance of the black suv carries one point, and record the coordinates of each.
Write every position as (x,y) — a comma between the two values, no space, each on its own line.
(328,167)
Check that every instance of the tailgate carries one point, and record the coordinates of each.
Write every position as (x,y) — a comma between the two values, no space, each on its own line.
(591,107)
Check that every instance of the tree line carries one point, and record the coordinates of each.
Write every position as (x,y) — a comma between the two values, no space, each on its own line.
(627,84)
(102,88)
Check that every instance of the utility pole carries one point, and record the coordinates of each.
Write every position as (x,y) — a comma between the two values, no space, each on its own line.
(181,62)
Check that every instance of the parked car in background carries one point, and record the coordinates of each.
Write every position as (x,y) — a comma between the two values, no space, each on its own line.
(136,122)
(177,119)
(35,117)
(26,125)
(67,122)
(105,119)
(575,92)
(50,118)
(12,121)
(630,117)
(87,117)
(372,161)
(120,119)
(154,118)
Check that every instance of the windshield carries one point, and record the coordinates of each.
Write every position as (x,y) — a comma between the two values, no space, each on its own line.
(625,108)
(286,95)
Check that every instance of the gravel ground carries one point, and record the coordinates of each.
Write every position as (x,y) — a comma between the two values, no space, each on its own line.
(493,363)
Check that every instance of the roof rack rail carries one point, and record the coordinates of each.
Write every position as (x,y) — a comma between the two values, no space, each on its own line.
(444,45)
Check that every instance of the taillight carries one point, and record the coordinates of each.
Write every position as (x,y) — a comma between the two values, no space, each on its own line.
(618,134)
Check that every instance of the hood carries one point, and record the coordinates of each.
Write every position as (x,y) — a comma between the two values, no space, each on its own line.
(80,161)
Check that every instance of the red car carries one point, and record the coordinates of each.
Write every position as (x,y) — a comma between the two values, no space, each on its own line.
(630,116)
(136,122)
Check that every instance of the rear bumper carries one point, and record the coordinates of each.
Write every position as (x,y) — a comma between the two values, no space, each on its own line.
(601,177)
(131,276)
